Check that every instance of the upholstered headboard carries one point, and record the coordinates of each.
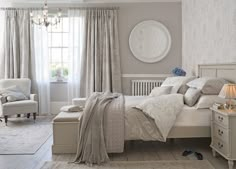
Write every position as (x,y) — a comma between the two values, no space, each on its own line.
(226,71)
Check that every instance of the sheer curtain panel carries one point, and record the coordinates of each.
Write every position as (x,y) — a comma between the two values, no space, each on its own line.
(76,50)
(42,73)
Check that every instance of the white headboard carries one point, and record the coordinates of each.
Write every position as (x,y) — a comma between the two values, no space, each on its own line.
(226,71)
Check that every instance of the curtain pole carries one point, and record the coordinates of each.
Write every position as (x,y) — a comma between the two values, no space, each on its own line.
(83,8)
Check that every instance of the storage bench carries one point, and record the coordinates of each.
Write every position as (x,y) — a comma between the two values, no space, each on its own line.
(65,132)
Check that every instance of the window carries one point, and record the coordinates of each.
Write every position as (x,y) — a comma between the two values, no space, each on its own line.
(58,37)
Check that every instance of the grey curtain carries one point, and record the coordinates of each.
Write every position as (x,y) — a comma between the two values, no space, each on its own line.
(100,70)
(15,58)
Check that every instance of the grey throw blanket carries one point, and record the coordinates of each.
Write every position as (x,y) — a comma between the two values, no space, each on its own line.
(102,118)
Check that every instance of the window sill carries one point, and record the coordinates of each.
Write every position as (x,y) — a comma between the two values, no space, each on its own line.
(58,81)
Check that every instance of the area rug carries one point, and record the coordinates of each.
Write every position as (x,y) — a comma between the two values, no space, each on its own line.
(177,164)
(23,136)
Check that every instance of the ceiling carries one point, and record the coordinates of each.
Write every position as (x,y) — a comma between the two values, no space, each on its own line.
(12,3)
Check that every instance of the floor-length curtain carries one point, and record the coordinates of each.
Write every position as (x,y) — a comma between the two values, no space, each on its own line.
(94,51)
(100,69)
(76,48)
(15,55)
(40,59)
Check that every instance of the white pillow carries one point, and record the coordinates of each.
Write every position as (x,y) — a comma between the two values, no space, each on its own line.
(206,101)
(208,85)
(191,96)
(178,83)
(162,90)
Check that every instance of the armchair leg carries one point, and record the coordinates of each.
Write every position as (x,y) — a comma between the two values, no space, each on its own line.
(28,115)
(34,115)
(6,118)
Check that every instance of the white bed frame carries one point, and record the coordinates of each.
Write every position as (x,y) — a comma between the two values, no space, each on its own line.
(226,71)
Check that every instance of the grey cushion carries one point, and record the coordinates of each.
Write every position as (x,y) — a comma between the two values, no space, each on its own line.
(208,85)
(191,96)
(24,84)
(13,93)
(162,90)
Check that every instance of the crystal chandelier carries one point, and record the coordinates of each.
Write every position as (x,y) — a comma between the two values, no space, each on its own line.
(43,18)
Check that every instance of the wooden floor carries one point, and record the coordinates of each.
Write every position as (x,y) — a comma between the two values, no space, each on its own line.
(134,151)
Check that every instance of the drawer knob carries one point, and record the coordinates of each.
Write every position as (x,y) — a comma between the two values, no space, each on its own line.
(220,133)
(220,118)
(220,145)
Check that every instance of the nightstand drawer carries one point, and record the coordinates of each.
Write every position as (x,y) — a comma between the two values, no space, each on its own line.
(221,119)
(221,146)
(221,133)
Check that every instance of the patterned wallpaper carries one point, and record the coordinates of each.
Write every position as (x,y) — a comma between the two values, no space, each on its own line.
(209,32)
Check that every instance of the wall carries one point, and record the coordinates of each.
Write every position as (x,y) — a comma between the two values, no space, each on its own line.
(209,32)
(131,14)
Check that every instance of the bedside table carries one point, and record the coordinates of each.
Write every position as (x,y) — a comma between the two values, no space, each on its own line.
(223,134)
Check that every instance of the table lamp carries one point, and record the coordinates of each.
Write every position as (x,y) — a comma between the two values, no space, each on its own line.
(228,91)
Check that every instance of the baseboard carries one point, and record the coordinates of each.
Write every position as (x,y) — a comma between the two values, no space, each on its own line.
(64,149)
(56,106)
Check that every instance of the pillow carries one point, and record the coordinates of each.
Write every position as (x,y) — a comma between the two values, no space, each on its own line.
(178,83)
(162,90)
(206,101)
(208,85)
(15,96)
(13,93)
(191,96)
(71,108)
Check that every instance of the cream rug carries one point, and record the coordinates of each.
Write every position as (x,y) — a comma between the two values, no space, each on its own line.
(23,136)
(177,164)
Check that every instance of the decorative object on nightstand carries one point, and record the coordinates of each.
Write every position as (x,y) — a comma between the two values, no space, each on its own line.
(223,135)
(228,91)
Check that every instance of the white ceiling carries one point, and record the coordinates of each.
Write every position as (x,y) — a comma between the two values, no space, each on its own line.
(12,3)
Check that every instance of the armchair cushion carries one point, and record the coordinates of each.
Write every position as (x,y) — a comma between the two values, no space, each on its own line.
(24,84)
(13,93)
(19,107)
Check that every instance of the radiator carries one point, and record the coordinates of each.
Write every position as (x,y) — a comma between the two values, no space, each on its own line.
(144,87)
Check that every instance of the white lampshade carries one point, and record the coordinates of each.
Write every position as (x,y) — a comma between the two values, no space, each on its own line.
(228,91)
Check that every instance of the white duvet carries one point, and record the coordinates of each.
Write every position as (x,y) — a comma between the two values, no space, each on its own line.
(164,110)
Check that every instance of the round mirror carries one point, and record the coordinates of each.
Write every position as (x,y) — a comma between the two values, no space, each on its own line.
(150,41)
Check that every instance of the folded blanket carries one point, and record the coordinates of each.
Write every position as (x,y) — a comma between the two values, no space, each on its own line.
(71,108)
(94,135)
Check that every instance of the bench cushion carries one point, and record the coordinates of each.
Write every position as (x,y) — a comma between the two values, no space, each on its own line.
(68,117)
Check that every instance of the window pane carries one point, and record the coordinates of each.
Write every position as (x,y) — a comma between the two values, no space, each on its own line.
(55,69)
(65,39)
(65,24)
(56,55)
(65,55)
(65,70)
(56,39)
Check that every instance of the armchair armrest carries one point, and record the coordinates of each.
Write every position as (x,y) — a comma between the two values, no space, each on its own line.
(2,100)
(34,97)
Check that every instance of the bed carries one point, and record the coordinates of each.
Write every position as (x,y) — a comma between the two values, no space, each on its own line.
(191,122)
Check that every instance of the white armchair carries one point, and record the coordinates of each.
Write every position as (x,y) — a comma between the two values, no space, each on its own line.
(18,107)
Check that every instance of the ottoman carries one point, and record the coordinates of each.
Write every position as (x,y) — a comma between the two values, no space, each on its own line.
(65,132)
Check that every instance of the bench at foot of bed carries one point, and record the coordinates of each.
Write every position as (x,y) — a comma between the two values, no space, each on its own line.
(65,132)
